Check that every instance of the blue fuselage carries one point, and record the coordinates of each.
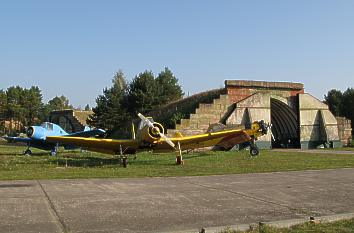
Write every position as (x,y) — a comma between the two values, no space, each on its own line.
(38,134)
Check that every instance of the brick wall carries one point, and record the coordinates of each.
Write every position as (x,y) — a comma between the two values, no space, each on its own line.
(241,89)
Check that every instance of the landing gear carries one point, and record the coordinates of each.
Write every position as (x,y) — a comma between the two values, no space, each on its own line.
(124,161)
(179,158)
(254,151)
(54,151)
(27,152)
(123,158)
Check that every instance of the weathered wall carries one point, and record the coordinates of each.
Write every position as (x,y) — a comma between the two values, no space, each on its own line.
(70,120)
(205,115)
(253,102)
(344,130)
(184,107)
(241,89)
(253,108)
(317,124)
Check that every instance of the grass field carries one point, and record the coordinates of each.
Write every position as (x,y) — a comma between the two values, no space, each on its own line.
(344,226)
(73,164)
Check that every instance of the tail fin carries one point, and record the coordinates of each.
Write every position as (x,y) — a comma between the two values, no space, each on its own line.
(178,135)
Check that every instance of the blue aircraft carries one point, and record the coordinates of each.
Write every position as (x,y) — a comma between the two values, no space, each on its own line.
(36,137)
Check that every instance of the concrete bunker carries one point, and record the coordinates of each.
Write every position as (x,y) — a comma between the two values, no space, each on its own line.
(70,120)
(299,120)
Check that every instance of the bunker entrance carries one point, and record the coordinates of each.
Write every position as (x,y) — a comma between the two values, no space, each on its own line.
(284,125)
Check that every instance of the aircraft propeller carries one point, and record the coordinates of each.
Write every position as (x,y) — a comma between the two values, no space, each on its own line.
(151,125)
(270,130)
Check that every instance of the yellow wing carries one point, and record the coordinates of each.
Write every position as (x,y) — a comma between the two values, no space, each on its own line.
(109,146)
(113,146)
(224,138)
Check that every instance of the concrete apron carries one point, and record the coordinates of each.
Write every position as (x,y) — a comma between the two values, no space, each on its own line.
(173,204)
(278,224)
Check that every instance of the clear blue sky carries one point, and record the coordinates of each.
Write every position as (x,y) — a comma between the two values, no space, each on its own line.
(75,47)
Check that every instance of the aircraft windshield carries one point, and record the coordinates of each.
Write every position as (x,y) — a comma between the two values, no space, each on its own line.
(47,126)
(142,123)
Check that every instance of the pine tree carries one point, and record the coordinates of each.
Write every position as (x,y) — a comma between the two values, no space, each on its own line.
(143,94)
(3,106)
(109,112)
(97,118)
(334,100)
(14,108)
(121,102)
(59,103)
(168,88)
(34,104)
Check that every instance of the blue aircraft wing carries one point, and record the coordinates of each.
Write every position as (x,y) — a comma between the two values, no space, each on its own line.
(88,133)
(17,139)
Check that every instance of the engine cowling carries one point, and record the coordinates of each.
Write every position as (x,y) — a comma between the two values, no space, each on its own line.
(36,132)
(152,134)
(30,132)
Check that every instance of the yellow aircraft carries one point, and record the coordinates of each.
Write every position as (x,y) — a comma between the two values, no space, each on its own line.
(151,137)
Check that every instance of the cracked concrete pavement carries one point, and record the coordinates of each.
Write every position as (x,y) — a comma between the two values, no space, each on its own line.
(172,204)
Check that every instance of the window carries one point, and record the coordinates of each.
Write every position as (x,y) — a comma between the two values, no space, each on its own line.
(50,126)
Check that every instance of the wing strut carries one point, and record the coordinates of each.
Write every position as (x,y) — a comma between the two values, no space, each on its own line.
(179,158)
(123,158)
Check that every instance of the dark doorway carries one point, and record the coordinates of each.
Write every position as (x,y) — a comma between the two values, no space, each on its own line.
(284,125)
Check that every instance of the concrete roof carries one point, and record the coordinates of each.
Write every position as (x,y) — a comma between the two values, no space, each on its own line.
(264,84)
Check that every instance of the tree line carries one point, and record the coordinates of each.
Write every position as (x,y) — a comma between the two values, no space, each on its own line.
(120,103)
(341,103)
(21,107)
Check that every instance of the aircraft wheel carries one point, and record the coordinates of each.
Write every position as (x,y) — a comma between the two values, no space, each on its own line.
(179,160)
(125,161)
(27,152)
(254,151)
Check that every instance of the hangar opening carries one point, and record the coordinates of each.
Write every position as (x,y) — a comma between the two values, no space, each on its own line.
(284,125)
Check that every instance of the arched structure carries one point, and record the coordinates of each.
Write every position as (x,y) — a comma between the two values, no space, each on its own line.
(285,127)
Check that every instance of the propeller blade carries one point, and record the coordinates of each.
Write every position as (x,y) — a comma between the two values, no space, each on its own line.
(151,125)
(271,132)
(167,140)
(146,120)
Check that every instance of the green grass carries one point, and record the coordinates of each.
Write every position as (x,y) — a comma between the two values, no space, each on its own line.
(40,165)
(347,148)
(343,226)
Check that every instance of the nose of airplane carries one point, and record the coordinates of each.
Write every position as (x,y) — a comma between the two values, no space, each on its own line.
(30,132)
(264,127)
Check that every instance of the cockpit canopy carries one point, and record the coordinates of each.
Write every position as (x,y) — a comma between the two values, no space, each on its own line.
(48,126)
